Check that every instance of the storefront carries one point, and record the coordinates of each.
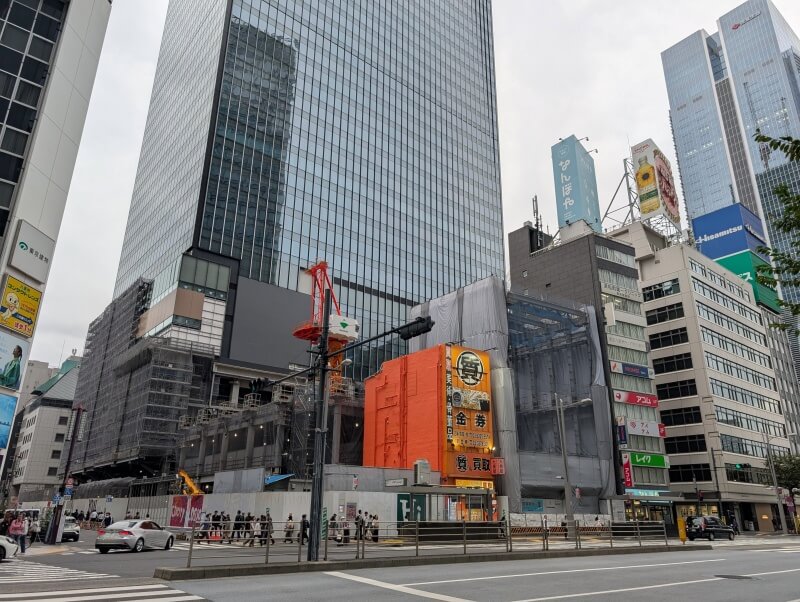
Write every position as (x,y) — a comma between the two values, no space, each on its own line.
(651,505)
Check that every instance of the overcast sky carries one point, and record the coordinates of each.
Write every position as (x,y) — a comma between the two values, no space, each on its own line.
(587,67)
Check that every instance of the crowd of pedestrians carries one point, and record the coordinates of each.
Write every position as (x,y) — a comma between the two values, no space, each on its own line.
(22,527)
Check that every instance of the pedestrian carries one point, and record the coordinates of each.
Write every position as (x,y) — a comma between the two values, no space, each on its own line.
(5,523)
(107,520)
(215,523)
(359,526)
(228,528)
(127,516)
(237,524)
(503,525)
(34,530)
(17,531)
(304,527)
(332,529)
(205,528)
(137,516)
(270,530)
(93,519)
(375,529)
(289,532)
(564,526)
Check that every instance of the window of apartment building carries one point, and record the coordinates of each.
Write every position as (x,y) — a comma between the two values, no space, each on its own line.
(615,256)
(661,290)
(52,471)
(685,444)
(618,280)
(731,368)
(681,416)
(651,476)
(749,422)
(55,454)
(744,396)
(59,437)
(736,327)
(686,473)
(640,443)
(623,304)
(62,420)
(726,301)
(625,329)
(628,355)
(676,389)
(748,474)
(623,382)
(672,363)
(664,314)
(719,280)
(735,347)
(668,338)
(748,447)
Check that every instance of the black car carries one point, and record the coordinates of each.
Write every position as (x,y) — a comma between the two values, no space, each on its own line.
(709,527)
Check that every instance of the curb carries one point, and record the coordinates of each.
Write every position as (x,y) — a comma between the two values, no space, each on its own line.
(245,570)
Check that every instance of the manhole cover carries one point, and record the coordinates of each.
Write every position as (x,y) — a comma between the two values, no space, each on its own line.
(732,576)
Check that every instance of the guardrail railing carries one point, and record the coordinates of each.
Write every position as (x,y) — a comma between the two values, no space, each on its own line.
(286,542)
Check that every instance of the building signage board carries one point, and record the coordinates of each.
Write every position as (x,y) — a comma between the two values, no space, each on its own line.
(468,413)
(32,253)
(745,265)
(729,230)
(626,343)
(655,182)
(575,184)
(622,433)
(627,470)
(630,369)
(621,291)
(637,399)
(8,405)
(532,505)
(13,356)
(19,306)
(650,460)
(645,428)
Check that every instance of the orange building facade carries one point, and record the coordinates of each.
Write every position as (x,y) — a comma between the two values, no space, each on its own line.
(435,405)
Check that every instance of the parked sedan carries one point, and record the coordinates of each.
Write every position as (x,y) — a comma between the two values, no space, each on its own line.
(133,535)
(709,527)
(8,548)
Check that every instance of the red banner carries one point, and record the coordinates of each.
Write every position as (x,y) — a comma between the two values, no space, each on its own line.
(498,466)
(177,517)
(195,510)
(662,430)
(627,471)
(637,399)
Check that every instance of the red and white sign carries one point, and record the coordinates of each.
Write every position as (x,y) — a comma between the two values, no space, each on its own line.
(645,428)
(498,466)
(627,470)
(177,517)
(195,510)
(637,399)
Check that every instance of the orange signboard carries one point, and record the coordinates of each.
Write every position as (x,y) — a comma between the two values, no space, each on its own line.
(468,413)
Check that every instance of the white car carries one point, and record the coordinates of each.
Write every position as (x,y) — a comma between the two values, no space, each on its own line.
(133,535)
(72,530)
(8,548)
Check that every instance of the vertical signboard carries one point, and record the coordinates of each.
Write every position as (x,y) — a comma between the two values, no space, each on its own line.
(13,355)
(8,404)
(627,470)
(177,516)
(622,433)
(19,306)
(654,182)
(745,265)
(575,184)
(468,414)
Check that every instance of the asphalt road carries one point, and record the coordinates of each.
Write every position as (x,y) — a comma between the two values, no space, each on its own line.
(724,575)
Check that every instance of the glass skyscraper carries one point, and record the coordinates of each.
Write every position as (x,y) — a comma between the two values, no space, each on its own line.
(722,89)
(282,132)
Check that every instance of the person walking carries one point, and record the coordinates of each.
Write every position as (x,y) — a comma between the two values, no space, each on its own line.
(270,530)
(238,524)
(375,528)
(288,535)
(250,531)
(228,522)
(34,531)
(304,527)
(18,532)
(359,526)
(205,528)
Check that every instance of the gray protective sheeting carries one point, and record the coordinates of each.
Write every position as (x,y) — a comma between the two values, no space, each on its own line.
(476,316)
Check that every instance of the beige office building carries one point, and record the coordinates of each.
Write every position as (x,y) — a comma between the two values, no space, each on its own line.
(717,388)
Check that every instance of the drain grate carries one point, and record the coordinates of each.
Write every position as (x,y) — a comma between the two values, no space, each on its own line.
(732,576)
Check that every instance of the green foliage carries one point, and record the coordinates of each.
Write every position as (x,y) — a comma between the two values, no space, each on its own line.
(786,265)
(787,469)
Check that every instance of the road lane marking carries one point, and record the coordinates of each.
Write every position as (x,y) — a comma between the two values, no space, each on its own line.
(95,590)
(772,573)
(610,568)
(396,588)
(617,591)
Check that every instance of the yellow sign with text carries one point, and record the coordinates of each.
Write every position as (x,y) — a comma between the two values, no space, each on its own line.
(19,306)
(682,529)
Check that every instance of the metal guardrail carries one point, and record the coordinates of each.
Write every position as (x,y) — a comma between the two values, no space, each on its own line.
(342,541)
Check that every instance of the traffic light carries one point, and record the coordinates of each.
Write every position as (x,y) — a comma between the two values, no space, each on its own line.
(741,466)
(417,327)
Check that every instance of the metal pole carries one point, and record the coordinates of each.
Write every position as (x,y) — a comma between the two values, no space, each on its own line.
(716,482)
(464,534)
(269,537)
(300,543)
(696,496)
(320,435)
(191,547)
(508,531)
(416,537)
(638,533)
(570,518)
(327,537)
(776,489)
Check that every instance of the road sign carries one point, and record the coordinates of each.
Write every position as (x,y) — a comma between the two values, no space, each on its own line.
(68,491)
(56,499)
(109,498)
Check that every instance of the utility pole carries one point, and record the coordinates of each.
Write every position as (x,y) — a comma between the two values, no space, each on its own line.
(570,517)
(320,435)
(58,511)
(776,489)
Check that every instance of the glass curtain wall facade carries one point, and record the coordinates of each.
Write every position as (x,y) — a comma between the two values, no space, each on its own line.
(357,132)
(722,89)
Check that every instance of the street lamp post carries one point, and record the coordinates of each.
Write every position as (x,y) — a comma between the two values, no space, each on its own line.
(776,489)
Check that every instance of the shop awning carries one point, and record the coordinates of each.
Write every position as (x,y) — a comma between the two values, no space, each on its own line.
(274,478)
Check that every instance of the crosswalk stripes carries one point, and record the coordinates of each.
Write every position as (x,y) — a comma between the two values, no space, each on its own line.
(25,571)
(131,593)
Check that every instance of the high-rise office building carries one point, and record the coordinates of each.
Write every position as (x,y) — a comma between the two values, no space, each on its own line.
(722,89)
(49,51)
(361,133)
